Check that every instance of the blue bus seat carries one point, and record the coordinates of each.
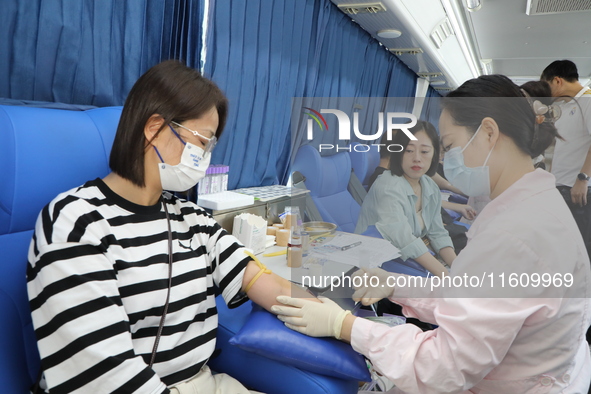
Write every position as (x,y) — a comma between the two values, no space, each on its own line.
(44,152)
(327,178)
(364,161)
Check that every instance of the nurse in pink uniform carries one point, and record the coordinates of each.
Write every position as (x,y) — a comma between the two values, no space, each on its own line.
(514,318)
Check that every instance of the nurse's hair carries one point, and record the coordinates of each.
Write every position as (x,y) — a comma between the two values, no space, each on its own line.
(175,92)
(497,97)
(402,139)
(538,90)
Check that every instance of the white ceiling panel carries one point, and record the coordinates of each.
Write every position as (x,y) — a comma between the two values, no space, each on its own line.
(523,45)
(518,45)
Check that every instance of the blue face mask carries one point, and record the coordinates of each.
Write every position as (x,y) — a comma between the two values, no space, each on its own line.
(472,181)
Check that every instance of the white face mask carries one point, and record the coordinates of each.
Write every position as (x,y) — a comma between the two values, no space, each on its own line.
(472,181)
(186,174)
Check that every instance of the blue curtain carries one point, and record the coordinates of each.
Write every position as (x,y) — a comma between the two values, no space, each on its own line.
(91,52)
(431,107)
(307,50)
(366,78)
(273,41)
(88,52)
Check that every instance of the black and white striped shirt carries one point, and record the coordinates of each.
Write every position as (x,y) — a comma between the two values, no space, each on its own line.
(97,283)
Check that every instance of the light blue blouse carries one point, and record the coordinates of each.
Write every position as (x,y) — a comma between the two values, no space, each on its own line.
(390,206)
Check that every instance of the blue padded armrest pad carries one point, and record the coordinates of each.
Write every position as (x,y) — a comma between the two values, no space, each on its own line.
(267,336)
(406,267)
(261,373)
(462,224)
(454,215)
(457,198)
(399,266)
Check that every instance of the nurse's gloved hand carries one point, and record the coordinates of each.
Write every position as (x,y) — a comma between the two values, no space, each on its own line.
(373,285)
(316,319)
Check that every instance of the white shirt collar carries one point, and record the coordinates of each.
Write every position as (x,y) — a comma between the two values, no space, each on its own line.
(582,91)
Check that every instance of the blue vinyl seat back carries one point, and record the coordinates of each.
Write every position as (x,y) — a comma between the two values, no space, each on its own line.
(43,152)
(46,152)
(364,160)
(327,178)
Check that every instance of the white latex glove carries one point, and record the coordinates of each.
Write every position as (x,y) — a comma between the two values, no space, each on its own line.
(316,319)
(368,294)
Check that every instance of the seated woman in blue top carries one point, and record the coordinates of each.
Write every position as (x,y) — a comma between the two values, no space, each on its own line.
(405,203)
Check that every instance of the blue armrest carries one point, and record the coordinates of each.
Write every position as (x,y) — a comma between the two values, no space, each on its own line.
(261,373)
(454,215)
(407,267)
(462,224)
(399,266)
(458,198)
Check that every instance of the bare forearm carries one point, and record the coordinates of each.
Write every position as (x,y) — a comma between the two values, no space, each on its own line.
(431,264)
(444,184)
(451,205)
(448,255)
(587,164)
(265,290)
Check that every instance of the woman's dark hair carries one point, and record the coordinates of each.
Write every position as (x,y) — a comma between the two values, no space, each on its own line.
(401,138)
(496,96)
(384,141)
(175,92)
(538,90)
(564,69)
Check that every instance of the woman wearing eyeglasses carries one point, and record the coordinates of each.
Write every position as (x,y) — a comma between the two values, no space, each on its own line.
(121,274)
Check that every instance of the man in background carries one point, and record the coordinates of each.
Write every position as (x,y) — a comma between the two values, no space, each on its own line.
(571,164)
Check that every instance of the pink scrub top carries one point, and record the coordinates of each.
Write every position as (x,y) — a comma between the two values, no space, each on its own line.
(497,341)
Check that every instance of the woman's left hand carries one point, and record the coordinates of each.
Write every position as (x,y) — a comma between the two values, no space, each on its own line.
(316,319)
(467,211)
